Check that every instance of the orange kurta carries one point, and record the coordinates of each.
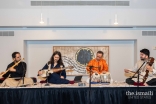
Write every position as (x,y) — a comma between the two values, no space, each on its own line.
(102,65)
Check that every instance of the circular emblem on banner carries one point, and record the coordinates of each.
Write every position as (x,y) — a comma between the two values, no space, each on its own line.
(83,56)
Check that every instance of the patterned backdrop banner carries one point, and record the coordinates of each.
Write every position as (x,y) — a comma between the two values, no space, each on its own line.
(79,56)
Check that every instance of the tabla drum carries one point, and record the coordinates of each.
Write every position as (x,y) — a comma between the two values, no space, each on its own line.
(95,77)
(105,77)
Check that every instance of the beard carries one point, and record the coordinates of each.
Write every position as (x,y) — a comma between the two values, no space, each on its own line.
(142,58)
(17,60)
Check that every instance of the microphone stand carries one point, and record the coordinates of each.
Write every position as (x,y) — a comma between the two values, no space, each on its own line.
(47,84)
(90,67)
(138,79)
(137,83)
(137,72)
(24,71)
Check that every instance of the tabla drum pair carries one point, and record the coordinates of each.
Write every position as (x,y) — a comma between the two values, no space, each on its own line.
(103,77)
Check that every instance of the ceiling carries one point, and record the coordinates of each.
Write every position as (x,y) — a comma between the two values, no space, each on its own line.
(26,4)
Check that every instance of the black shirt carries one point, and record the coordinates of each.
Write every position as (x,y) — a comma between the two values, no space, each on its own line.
(20,69)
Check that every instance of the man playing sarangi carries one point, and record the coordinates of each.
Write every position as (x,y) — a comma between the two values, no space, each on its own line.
(144,58)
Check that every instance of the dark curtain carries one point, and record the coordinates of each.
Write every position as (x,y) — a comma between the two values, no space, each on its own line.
(107,95)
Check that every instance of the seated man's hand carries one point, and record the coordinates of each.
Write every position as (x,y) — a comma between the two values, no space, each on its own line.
(12,69)
(94,71)
(148,67)
(126,70)
(104,72)
(62,77)
(1,76)
(39,72)
(1,73)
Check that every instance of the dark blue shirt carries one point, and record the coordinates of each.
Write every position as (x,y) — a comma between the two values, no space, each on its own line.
(55,77)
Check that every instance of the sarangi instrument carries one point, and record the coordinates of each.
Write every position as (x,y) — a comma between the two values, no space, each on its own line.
(150,63)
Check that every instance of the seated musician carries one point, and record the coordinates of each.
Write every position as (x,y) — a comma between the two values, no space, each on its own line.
(56,77)
(99,64)
(144,57)
(16,71)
